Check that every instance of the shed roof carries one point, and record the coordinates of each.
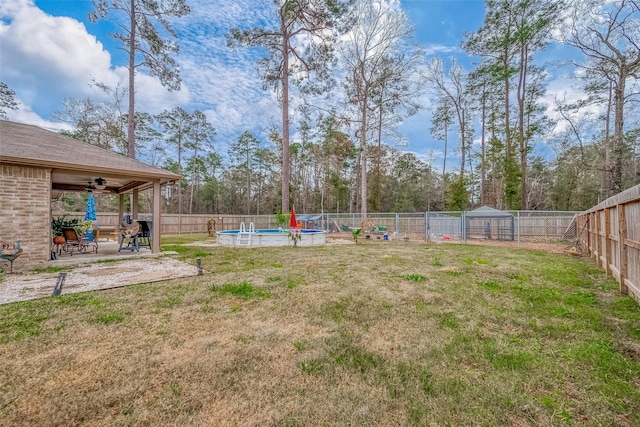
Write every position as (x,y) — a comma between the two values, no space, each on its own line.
(75,163)
(487,212)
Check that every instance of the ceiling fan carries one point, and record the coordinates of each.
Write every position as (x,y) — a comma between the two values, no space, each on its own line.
(96,186)
(100,184)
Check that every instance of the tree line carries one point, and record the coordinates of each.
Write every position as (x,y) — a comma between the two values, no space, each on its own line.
(357,75)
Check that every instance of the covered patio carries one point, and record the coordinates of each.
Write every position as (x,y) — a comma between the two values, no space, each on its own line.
(37,166)
(107,250)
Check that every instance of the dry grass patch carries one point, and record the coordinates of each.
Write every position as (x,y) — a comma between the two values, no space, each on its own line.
(380,333)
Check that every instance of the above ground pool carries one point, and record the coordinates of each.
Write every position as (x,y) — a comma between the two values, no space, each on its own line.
(269,237)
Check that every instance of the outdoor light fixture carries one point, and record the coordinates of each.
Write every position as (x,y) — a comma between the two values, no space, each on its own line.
(96,186)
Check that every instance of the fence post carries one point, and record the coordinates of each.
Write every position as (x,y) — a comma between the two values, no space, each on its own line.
(426,226)
(592,237)
(622,248)
(518,218)
(607,241)
(598,246)
(589,237)
(463,224)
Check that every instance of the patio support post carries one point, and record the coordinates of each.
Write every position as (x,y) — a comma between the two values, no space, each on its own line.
(155,229)
(134,204)
(120,210)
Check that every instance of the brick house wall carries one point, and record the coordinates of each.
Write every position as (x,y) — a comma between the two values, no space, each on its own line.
(25,212)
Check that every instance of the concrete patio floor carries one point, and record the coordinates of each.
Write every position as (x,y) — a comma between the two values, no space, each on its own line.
(107,250)
(90,272)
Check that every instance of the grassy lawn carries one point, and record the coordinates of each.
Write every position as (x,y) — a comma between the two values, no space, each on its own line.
(381,333)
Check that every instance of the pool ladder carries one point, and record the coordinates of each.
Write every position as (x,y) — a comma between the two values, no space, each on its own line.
(244,237)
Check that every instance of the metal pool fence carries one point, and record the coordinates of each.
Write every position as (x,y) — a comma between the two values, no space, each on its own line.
(514,226)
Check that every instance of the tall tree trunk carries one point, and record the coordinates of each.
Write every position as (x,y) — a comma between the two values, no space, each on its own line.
(522,139)
(363,160)
(180,173)
(444,165)
(354,198)
(194,182)
(508,175)
(618,128)
(131,128)
(471,180)
(463,150)
(248,184)
(192,192)
(482,155)
(606,170)
(378,172)
(286,166)
(506,112)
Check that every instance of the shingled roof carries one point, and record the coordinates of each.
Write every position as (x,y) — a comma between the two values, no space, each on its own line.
(74,163)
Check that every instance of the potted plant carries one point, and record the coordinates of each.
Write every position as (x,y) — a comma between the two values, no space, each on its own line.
(85,226)
(86,230)
(57,224)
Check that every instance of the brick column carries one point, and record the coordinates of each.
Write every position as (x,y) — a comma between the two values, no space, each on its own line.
(25,211)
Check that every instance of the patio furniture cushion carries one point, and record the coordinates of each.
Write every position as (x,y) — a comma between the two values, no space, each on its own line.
(75,242)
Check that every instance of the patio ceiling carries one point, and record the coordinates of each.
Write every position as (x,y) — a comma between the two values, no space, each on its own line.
(116,183)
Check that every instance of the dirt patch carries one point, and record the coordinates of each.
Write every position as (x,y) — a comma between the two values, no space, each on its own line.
(556,248)
(21,287)
(331,240)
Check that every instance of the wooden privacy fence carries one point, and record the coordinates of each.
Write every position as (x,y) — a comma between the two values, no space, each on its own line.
(611,233)
(184,224)
(531,226)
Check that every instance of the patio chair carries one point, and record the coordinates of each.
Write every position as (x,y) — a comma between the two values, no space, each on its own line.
(75,242)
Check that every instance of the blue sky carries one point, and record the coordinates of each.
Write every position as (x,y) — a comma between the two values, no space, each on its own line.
(50,51)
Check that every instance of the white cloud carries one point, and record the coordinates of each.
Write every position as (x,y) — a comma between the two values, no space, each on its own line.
(47,58)
(24,115)
(432,49)
(151,97)
(231,97)
(567,90)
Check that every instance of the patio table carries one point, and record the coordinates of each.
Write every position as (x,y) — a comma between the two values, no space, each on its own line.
(106,232)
